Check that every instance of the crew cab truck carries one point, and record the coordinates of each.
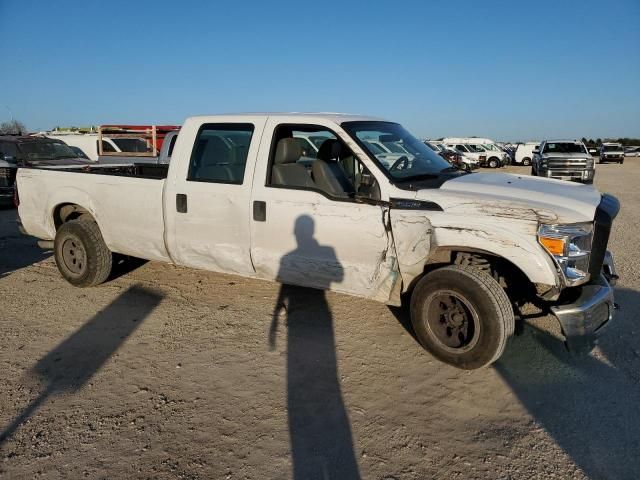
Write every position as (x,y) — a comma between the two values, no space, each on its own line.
(612,152)
(237,199)
(563,160)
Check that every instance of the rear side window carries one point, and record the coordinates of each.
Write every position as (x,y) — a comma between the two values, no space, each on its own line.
(219,154)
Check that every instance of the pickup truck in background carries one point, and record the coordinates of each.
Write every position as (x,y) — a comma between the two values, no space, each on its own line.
(564,160)
(463,249)
(611,152)
(27,151)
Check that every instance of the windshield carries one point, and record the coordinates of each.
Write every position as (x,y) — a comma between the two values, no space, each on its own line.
(137,145)
(565,147)
(43,150)
(418,161)
(612,148)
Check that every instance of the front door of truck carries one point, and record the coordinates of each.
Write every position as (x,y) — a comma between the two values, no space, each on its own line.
(307,228)
(208,199)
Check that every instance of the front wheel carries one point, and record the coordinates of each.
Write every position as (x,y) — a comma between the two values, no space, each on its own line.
(493,163)
(526,162)
(462,316)
(82,257)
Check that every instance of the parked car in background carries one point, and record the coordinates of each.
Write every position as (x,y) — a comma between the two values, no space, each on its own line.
(29,151)
(455,158)
(524,153)
(612,152)
(632,152)
(453,241)
(478,154)
(564,160)
(494,157)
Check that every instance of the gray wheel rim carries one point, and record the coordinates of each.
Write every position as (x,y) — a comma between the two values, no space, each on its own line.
(452,321)
(74,256)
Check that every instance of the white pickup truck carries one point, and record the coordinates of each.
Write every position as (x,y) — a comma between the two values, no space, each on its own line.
(465,249)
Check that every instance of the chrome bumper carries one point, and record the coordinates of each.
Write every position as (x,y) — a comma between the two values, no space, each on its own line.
(583,319)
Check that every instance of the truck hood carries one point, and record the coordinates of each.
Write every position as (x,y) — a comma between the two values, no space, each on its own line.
(517,196)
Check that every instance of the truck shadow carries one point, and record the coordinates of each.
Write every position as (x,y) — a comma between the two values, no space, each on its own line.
(319,428)
(70,365)
(588,405)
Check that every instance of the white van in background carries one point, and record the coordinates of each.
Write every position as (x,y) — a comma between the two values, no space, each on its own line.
(524,153)
(87,142)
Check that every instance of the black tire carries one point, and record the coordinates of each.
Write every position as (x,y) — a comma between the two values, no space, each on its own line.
(477,305)
(493,162)
(82,257)
(621,162)
(526,161)
(533,172)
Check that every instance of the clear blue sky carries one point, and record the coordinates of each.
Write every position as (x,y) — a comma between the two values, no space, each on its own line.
(503,69)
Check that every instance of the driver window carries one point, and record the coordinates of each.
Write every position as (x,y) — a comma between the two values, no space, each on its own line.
(314,158)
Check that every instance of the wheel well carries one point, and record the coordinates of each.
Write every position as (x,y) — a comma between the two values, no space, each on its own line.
(66,212)
(517,285)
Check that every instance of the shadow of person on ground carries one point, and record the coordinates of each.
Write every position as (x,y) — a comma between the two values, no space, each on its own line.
(319,429)
(16,250)
(71,364)
(589,406)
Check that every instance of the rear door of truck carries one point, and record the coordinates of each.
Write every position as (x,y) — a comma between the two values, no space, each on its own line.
(208,193)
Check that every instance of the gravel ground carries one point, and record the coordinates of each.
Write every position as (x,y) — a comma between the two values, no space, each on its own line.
(167,372)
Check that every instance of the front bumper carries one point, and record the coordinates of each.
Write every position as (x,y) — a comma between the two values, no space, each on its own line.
(571,175)
(584,318)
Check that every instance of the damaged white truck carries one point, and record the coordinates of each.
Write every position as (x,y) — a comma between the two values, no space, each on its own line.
(240,197)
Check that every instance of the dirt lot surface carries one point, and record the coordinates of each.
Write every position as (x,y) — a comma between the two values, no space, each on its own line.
(167,372)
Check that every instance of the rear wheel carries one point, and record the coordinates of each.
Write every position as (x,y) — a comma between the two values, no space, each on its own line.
(462,316)
(82,257)
(526,161)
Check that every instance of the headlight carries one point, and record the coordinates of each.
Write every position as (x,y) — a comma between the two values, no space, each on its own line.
(589,163)
(570,247)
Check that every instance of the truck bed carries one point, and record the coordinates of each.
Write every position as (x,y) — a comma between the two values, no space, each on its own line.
(125,200)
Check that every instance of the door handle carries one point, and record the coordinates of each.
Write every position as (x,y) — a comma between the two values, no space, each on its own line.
(259,211)
(181,203)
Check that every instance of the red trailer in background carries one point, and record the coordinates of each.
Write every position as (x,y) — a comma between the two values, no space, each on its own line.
(135,140)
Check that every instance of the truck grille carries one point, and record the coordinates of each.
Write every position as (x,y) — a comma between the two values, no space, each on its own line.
(567,163)
(7,177)
(605,213)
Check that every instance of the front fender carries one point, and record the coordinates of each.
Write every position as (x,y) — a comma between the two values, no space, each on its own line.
(512,240)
